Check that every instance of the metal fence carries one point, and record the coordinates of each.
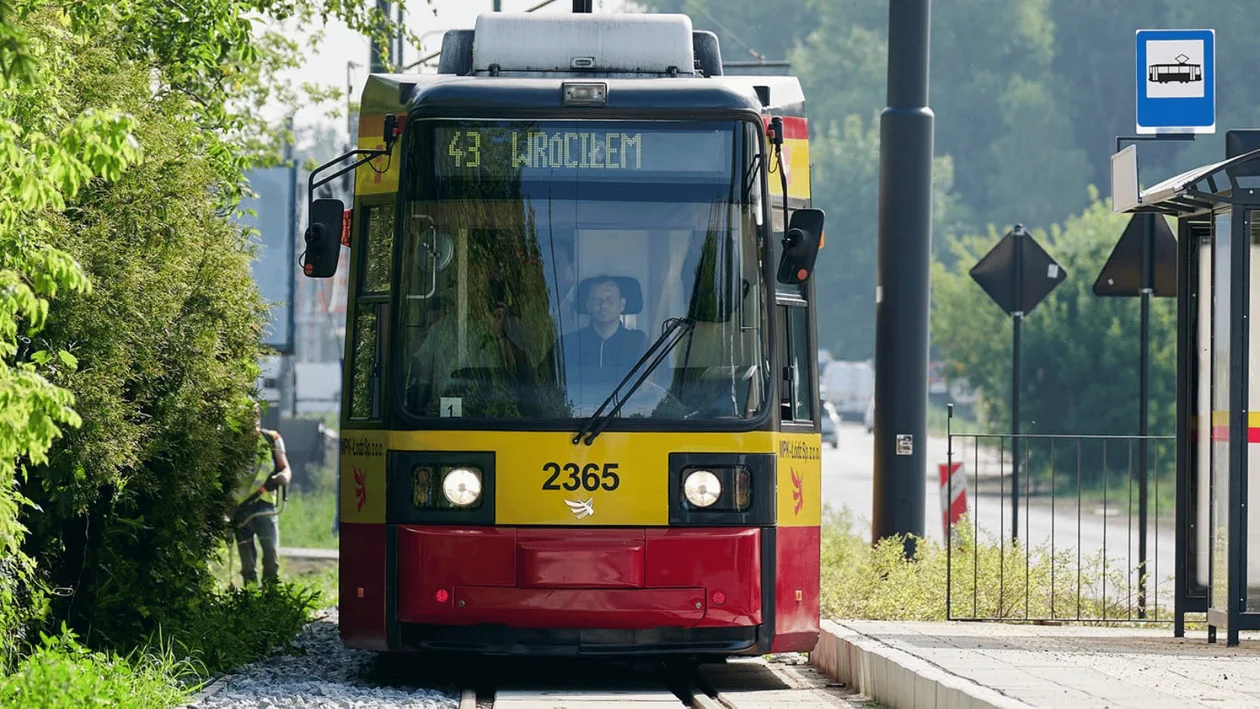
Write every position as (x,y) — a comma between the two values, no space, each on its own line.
(1061,528)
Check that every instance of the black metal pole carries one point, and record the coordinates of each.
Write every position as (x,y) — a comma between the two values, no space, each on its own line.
(1017,321)
(582,5)
(1144,358)
(375,61)
(399,41)
(901,309)
(1239,386)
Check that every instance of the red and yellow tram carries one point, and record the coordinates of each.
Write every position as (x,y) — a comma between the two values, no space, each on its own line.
(581,406)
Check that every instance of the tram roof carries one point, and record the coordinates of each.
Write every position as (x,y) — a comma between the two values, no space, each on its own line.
(447,95)
(1195,190)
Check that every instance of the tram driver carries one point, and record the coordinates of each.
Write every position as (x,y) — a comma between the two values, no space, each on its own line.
(596,357)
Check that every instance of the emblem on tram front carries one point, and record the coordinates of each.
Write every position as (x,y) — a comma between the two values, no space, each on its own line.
(360,490)
(798,494)
(581,509)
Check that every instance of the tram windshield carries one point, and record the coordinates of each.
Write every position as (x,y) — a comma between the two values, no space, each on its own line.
(541,259)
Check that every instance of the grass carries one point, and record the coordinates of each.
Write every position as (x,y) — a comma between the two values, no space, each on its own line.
(307,519)
(315,576)
(233,627)
(60,672)
(996,581)
(239,626)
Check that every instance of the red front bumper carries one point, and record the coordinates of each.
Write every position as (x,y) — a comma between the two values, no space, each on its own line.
(614,579)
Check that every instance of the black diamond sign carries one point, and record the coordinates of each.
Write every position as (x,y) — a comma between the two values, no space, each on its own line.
(995,273)
(1122,274)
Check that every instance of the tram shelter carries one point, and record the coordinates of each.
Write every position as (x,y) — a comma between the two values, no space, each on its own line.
(1217,211)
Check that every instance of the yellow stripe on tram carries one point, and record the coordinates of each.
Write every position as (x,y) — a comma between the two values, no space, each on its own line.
(620,480)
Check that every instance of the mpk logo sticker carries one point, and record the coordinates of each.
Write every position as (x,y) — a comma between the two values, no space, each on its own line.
(360,490)
(798,495)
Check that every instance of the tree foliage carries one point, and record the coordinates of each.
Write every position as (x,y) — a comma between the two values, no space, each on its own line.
(1028,95)
(45,160)
(128,320)
(845,183)
(1079,352)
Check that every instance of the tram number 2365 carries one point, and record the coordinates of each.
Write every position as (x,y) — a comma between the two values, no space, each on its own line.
(589,477)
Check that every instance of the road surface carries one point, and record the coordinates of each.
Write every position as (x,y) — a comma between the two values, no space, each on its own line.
(848,482)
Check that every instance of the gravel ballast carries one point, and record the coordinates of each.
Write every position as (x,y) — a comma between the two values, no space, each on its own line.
(327,674)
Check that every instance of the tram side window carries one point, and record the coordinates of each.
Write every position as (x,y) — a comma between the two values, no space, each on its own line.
(366,386)
(379,250)
(796,402)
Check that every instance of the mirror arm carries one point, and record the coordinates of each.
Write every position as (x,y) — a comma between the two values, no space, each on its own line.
(371,155)
(776,139)
(392,132)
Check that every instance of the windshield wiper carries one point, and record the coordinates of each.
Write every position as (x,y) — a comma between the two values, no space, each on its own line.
(675,330)
(750,177)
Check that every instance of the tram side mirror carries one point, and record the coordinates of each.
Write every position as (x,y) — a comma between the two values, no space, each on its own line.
(323,238)
(800,246)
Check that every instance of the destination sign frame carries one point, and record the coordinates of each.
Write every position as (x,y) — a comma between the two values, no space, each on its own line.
(504,150)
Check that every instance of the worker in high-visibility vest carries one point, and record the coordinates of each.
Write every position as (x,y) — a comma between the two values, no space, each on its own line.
(256,514)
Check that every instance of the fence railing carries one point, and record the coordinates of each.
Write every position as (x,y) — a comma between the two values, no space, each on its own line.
(1055,528)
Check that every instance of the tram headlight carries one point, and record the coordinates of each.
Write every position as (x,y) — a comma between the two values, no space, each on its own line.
(462,486)
(702,488)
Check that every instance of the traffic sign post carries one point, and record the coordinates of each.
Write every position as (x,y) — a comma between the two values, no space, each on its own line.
(1017,274)
(1176,81)
(1144,264)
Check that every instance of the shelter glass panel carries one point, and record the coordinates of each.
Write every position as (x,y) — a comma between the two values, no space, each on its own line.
(1252,521)
(1220,407)
(1203,413)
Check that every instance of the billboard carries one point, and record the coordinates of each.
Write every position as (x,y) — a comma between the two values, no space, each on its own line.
(275,262)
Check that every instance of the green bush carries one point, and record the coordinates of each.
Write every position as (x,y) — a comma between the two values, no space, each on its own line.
(241,625)
(236,627)
(127,308)
(61,672)
(47,157)
(131,504)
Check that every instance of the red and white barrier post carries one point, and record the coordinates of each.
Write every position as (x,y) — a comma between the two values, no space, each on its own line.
(953,495)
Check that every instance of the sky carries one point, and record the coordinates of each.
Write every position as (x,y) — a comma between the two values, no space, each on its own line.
(328,66)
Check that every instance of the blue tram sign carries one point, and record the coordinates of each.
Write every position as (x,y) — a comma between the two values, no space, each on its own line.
(1176,81)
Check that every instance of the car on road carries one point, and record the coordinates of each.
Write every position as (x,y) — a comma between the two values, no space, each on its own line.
(829,434)
(830,425)
(848,385)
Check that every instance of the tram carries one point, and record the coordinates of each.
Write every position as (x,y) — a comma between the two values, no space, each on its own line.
(581,406)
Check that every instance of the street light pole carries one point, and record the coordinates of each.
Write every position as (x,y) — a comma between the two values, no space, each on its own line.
(901,302)
(374,60)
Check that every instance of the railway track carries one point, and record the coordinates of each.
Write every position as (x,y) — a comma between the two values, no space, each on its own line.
(576,683)
(324,673)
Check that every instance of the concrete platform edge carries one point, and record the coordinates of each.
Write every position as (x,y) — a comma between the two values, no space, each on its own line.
(895,678)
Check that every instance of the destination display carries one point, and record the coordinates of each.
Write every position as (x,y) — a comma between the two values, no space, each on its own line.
(502,150)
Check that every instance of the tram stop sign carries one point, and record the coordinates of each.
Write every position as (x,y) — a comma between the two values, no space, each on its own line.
(1037,276)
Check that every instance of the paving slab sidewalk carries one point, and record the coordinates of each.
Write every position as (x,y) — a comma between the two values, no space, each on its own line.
(910,665)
